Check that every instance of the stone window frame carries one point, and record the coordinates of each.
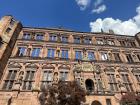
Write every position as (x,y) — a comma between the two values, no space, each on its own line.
(31,69)
(36,47)
(39,33)
(136,74)
(77,38)
(87,38)
(130,57)
(111,71)
(127,81)
(54,34)
(66,49)
(28,33)
(51,47)
(20,46)
(46,82)
(6,74)
(82,54)
(65,70)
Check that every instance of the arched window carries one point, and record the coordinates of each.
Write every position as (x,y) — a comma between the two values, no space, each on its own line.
(96,103)
(89,85)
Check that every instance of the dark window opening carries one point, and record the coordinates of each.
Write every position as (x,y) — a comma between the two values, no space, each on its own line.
(89,85)
(1,42)
(8,30)
(117,57)
(129,58)
(108,102)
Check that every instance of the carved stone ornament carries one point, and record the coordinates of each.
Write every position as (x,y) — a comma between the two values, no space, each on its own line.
(86,66)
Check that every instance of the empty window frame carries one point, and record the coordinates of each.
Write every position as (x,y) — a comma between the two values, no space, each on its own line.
(112,82)
(51,53)
(35,52)
(9,81)
(64,54)
(47,78)
(91,55)
(78,55)
(27,36)
(28,80)
(63,75)
(39,36)
(126,82)
(129,58)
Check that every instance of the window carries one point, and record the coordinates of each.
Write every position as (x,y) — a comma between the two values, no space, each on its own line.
(87,40)
(21,51)
(129,58)
(91,56)
(53,38)
(64,54)
(8,84)
(8,30)
(78,55)
(104,56)
(127,83)
(46,78)
(99,85)
(1,42)
(122,43)
(28,81)
(138,56)
(137,77)
(51,53)
(110,42)
(112,82)
(12,22)
(132,44)
(35,52)
(26,36)
(77,40)
(39,37)
(64,39)
(63,75)
(117,57)
(100,42)
(108,102)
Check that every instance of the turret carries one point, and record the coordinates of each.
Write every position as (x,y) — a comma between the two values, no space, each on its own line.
(9,31)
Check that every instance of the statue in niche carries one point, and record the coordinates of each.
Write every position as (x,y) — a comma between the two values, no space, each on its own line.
(20,77)
(28,51)
(120,83)
(55,77)
(58,52)
(85,57)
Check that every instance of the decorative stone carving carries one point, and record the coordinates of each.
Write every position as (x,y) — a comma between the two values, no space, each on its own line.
(55,78)
(20,77)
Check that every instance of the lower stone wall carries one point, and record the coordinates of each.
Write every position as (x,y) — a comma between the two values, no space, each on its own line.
(32,98)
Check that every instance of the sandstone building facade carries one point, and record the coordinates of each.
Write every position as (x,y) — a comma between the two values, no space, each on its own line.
(104,64)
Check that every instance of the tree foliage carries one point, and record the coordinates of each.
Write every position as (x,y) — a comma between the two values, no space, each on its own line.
(63,93)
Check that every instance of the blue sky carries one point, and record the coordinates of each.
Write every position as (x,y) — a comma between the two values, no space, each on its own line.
(78,15)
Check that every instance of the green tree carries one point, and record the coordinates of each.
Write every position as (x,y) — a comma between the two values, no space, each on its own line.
(63,93)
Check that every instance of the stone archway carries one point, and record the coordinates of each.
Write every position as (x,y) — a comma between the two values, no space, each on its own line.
(89,85)
(96,103)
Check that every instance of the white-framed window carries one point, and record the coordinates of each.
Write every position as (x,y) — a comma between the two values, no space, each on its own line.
(104,56)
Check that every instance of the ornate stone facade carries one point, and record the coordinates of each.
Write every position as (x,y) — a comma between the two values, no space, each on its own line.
(106,65)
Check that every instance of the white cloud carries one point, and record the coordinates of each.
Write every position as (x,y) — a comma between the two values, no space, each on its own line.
(98,2)
(129,27)
(99,9)
(83,4)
